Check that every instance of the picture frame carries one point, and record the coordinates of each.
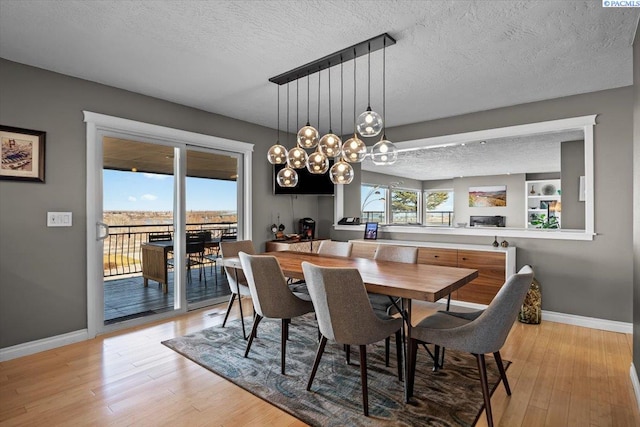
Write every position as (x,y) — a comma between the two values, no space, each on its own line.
(23,154)
(371,231)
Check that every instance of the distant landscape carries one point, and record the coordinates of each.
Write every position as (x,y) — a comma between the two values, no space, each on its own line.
(115,218)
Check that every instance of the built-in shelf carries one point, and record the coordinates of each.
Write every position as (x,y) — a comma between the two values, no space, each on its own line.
(538,194)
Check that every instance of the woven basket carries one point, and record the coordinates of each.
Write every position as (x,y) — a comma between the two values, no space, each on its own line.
(531,310)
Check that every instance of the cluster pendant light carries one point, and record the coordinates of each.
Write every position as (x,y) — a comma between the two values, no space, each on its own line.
(354,150)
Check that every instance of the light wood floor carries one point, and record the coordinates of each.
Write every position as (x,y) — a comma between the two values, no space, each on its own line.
(561,375)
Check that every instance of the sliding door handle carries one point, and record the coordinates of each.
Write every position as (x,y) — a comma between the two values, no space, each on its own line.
(101,226)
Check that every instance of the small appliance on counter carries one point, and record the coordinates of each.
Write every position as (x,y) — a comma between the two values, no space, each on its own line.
(307,228)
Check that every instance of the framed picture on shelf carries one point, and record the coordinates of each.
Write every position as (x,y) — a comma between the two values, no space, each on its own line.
(371,231)
(22,153)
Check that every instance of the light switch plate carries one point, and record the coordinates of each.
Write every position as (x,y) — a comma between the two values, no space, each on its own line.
(59,219)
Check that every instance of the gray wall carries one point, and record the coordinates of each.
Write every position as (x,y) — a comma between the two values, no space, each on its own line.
(514,212)
(43,283)
(636,202)
(572,168)
(592,278)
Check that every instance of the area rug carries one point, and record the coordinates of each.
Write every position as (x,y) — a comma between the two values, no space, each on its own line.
(450,397)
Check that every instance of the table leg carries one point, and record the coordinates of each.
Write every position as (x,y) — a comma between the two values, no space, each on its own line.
(406,315)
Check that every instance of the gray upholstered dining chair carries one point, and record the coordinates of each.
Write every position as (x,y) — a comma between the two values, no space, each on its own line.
(478,333)
(271,297)
(345,315)
(327,247)
(236,278)
(383,304)
(332,247)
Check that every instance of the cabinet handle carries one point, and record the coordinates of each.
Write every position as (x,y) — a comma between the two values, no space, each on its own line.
(464,259)
(436,256)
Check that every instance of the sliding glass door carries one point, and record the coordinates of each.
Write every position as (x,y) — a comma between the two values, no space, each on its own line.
(159,202)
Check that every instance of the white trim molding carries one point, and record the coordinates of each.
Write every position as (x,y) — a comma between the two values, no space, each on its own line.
(43,344)
(636,384)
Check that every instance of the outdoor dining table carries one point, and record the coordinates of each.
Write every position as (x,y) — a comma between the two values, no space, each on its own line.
(154,260)
(407,281)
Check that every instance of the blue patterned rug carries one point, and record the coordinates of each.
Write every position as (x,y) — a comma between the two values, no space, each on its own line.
(449,397)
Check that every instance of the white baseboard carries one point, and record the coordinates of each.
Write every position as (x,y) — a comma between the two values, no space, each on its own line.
(569,319)
(636,384)
(37,346)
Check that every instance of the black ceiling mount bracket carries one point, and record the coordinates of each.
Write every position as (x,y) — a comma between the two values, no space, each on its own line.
(344,55)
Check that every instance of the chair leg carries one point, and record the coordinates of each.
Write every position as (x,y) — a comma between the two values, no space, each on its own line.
(399,353)
(503,374)
(413,352)
(244,335)
(226,316)
(347,350)
(316,362)
(436,358)
(386,351)
(482,367)
(254,328)
(283,345)
(363,378)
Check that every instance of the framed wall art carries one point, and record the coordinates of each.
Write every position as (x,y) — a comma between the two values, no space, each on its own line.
(22,153)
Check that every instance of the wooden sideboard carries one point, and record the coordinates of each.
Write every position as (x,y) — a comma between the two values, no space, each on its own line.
(293,245)
(494,265)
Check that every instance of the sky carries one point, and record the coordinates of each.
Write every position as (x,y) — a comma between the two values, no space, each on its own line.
(137,191)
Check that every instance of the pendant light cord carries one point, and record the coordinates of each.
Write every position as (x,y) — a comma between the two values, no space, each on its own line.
(355,60)
(297,104)
(308,123)
(278,120)
(369,79)
(329,70)
(288,106)
(341,97)
(384,86)
(319,100)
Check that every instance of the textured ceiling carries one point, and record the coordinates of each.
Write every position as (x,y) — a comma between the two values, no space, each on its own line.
(450,58)
(537,153)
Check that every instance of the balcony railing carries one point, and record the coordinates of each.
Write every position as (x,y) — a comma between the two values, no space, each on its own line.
(122,253)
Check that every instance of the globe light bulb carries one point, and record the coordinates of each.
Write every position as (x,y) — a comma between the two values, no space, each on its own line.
(297,158)
(318,163)
(341,173)
(330,145)
(287,177)
(308,137)
(354,150)
(369,123)
(384,152)
(277,154)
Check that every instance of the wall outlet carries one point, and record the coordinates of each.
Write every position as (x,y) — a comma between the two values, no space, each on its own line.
(59,219)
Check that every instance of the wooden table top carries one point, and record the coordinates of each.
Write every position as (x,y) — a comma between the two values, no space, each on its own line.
(413,281)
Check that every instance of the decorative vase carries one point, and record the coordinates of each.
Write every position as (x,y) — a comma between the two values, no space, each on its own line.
(532,190)
(531,310)
(504,244)
(495,242)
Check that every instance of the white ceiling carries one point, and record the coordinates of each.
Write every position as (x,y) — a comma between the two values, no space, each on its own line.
(450,58)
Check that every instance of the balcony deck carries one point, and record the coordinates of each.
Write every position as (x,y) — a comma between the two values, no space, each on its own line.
(126,298)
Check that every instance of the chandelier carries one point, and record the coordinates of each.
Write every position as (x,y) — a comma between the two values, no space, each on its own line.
(331,146)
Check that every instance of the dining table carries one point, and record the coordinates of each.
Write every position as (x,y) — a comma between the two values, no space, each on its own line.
(408,282)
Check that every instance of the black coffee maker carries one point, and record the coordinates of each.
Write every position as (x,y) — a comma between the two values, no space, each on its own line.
(307,228)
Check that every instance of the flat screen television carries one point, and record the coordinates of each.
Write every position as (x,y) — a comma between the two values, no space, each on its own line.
(308,183)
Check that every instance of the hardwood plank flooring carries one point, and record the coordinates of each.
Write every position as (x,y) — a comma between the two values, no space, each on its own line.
(561,375)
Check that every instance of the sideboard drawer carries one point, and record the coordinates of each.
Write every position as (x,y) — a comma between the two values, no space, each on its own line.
(433,256)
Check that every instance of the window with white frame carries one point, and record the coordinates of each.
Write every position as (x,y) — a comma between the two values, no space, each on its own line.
(438,207)
(404,206)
